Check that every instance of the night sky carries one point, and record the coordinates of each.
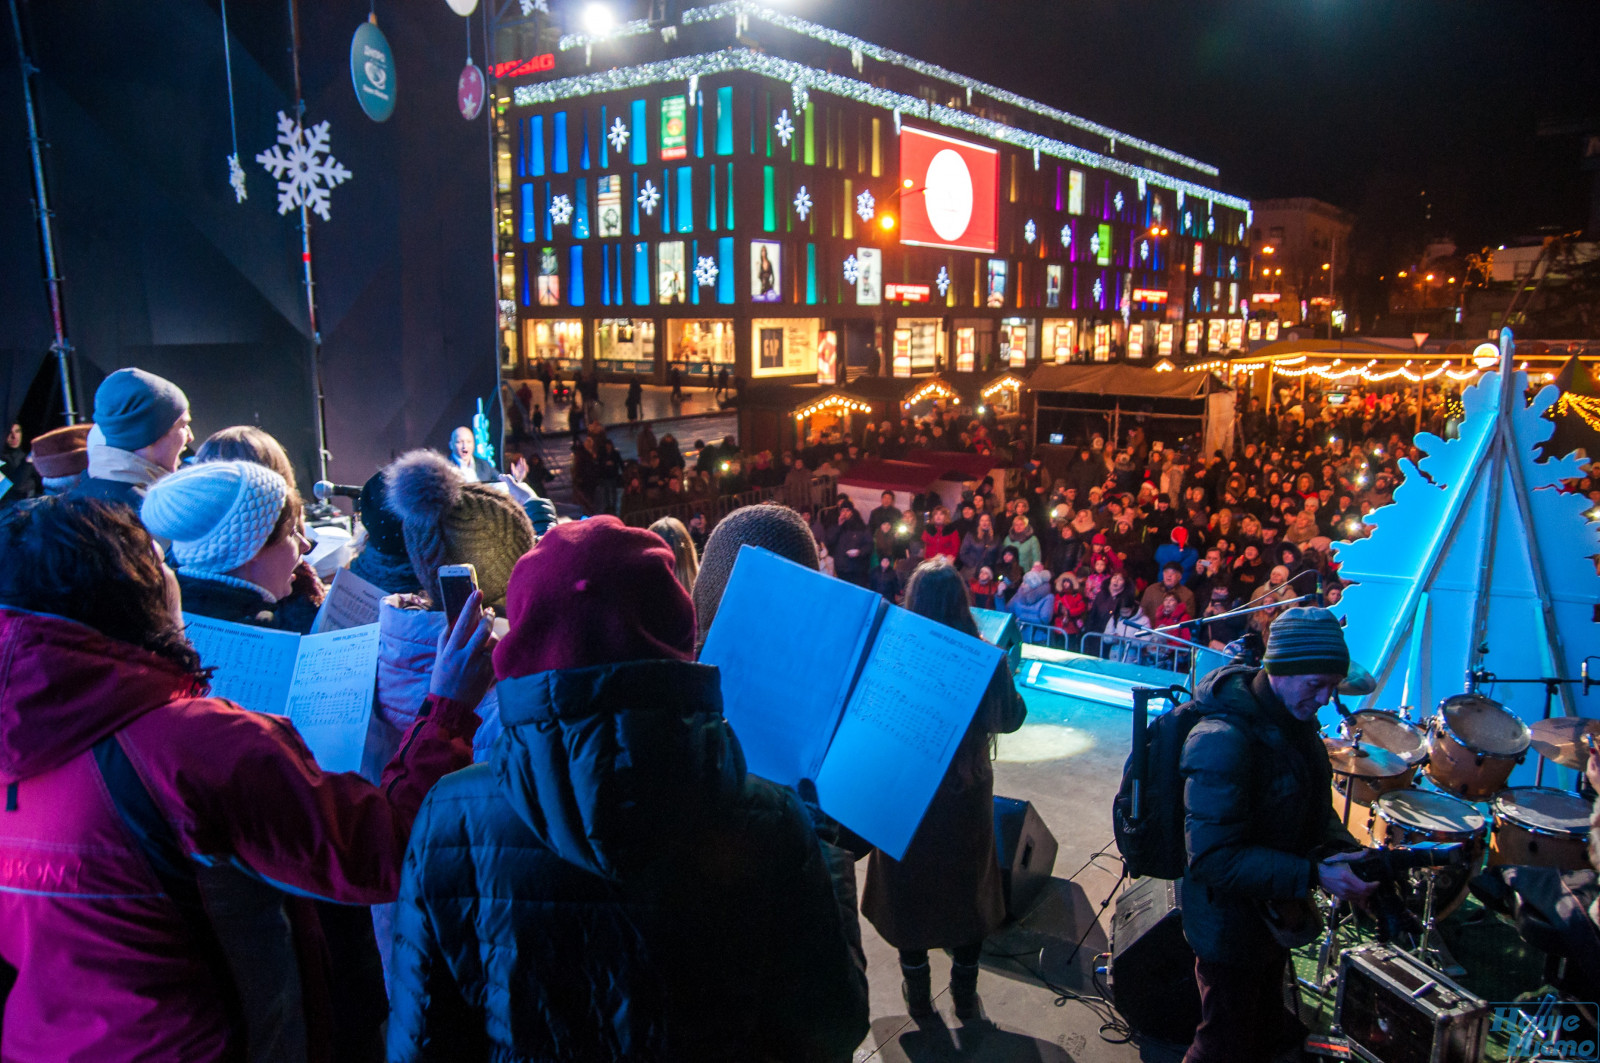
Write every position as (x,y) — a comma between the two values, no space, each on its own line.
(1365,104)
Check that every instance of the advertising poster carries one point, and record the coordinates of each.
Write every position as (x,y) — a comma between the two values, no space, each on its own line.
(828,357)
(1191,337)
(1272,330)
(902,352)
(549,279)
(996,287)
(1019,346)
(785,346)
(1102,343)
(770,348)
(1215,328)
(1136,340)
(1065,338)
(675,127)
(953,192)
(869,283)
(610,189)
(1075,192)
(1164,339)
(766,271)
(1235,332)
(1254,331)
(1052,287)
(671,273)
(1103,254)
(966,350)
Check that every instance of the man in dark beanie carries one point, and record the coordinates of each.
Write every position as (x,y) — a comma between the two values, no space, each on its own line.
(383,561)
(771,527)
(612,884)
(141,427)
(1260,829)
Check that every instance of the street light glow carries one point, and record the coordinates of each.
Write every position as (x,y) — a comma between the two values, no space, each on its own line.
(886,221)
(598,19)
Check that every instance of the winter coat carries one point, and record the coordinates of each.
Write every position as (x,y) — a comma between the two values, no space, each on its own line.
(408,642)
(885,581)
(1028,552)
(946,891)
(106,968)
(1033,603)
(975,553)
(936,545)
(613,885)
(853,535)
(1256,784)
(1070,611)
(236,604)
(984,595)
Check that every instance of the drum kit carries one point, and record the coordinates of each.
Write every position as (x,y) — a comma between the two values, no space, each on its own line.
(1466,750)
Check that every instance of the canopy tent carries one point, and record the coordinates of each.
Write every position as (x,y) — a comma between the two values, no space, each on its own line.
(1077,399)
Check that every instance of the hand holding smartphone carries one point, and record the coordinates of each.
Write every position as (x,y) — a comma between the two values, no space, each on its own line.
(456,584)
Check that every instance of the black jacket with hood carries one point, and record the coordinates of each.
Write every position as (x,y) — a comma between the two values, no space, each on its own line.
(612,885)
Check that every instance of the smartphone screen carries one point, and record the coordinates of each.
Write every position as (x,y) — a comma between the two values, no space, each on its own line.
(456,584)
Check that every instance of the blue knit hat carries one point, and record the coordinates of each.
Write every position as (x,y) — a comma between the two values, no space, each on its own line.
(134,408)
(218,514)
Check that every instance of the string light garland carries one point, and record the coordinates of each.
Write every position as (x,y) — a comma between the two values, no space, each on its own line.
(933,389)
(1587,407)
(733,60)
(836,403)
(1005,383)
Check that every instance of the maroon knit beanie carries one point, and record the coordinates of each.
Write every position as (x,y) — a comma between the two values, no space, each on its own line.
(594,592)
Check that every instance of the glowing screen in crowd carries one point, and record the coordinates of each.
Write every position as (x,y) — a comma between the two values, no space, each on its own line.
(949,192)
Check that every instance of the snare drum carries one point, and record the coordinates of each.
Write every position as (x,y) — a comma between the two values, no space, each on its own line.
(1541,827)
(1386,731)
(1406,817)
(1473,743)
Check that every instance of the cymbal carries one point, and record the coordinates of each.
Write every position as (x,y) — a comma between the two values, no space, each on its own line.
(1560,739)
(1367,761)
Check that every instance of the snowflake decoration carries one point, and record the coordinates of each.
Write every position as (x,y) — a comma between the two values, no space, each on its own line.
(866,206)
(852,270)
(1117,201)
(1211,225)
(1241,230)
(705,271)
(1188,220)
(1196,299)
(618,136)
(943,281)
(802,203)
(1029,231)
(1099,290)
(307,171)
(1144,250)
(236,178)
(1094,244)
(1155,208)
(530,6)
(649,196)
(561,209)
(800,95)
(1066,236)
(784,127)
(1233,267)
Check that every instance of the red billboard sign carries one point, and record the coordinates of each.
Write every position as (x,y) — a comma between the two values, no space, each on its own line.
(907,293)
(517,68)
(950,192)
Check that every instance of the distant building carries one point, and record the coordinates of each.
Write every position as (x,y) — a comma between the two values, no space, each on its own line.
(741,188)
(1300,245)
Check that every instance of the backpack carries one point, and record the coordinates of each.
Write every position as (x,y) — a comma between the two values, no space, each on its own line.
(1154,846)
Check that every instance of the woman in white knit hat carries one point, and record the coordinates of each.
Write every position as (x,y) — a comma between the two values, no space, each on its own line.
(235,529)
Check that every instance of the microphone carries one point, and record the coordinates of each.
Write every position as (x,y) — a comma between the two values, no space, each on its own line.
(324,490)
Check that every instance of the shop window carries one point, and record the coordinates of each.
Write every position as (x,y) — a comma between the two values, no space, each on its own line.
(1075,192)
(725,121)
(560,342)
(698,345)
(529,226)
(575,275)
(673,273)
(580,209)
(769,206)
(583,150)
(625,345)
(637,140)
(641,274)
(558,162)
(685,190)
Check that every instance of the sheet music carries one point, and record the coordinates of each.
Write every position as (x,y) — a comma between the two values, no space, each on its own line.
(787,640)
(913,703)
(330,702)
(253,666)
(351,602)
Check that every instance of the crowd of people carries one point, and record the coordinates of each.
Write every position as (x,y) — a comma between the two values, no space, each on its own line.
(553,849)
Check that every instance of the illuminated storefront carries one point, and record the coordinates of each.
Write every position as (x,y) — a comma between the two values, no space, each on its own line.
(750,170)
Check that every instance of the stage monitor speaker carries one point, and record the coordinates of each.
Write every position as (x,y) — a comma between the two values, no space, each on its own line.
(1027,852)
(1152,967)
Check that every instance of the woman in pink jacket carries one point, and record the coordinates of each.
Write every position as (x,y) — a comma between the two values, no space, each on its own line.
(120,779)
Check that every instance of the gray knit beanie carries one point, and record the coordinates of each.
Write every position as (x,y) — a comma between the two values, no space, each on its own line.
(448,521)
(769,526)
(1306,641)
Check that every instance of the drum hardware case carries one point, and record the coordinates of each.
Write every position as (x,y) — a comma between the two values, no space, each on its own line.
(1383,990)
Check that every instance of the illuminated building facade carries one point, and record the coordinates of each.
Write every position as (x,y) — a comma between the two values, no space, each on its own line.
(744,188)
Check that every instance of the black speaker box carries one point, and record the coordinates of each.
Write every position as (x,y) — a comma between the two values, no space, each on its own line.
(1027,852)
(1152,967)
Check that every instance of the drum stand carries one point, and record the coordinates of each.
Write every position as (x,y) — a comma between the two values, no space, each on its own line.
(1431,948)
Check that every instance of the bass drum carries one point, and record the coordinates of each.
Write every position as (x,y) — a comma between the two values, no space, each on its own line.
(1473,743)
(1540,827)
(1407,817)
(1388,731)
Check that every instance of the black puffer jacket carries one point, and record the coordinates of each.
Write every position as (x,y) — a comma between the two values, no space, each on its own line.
(614,886)
(1258,810)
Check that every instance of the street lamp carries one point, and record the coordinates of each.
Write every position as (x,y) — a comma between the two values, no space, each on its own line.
(598,19)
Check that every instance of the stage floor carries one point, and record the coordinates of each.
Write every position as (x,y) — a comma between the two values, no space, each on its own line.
(1067,759)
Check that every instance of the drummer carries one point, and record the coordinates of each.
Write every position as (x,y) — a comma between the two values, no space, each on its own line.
(1257,818)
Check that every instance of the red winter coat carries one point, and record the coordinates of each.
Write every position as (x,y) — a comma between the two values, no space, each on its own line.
(936,545)
(105,970)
